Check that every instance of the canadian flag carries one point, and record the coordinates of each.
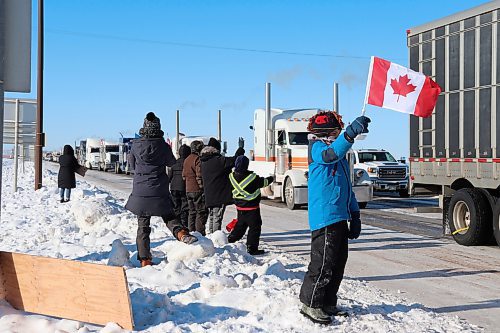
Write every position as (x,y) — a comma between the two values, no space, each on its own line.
(398,88)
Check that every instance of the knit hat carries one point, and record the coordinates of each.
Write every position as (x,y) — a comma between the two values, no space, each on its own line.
(184,151)
(241,163)
(213,142)
(196,146)
(151,127)
(68,150)
(324,122)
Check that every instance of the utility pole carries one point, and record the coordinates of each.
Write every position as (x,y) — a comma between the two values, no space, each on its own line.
(219,127)
(40,136)
(2,73)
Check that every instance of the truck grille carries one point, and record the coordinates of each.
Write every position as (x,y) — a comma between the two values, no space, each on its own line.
(392,173)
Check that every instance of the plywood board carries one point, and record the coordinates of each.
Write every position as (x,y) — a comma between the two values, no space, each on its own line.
(67,289)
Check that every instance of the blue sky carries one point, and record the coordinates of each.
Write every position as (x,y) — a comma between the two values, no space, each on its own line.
(107,63)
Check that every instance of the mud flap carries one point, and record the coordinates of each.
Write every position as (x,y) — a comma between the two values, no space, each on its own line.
(446,218)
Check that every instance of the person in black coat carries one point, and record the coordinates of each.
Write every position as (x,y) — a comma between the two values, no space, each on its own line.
(66,177)
(215,170)
(149,157)
(246,193)
(178,186)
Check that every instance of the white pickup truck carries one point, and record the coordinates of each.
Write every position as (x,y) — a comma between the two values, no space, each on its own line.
(386,173)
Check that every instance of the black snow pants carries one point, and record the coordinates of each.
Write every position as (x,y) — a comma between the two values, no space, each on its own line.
(247,219)
(326,270)
(144,230)
(181,206)
(197,218)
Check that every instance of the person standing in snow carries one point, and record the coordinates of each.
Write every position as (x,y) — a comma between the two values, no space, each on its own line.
(246,193)
(215,170)
(66,177)
(191,172)
(331,204)
(149,157)
(178,186)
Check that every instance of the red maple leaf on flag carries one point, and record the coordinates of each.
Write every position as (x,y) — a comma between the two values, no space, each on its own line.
(402,87)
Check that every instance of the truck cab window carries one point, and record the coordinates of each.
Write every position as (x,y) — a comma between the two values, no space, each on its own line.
(298,138)
(376,156)
(282,137)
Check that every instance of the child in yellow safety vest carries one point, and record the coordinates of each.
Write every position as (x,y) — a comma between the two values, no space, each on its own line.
(246,194)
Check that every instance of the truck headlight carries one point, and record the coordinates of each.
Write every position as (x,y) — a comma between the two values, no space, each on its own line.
(372,170)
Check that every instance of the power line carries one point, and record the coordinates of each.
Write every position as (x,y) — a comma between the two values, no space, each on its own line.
(205,46)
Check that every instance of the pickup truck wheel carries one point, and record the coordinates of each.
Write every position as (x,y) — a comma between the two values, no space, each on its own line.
(289,195)
(404,193)
(496,221)
(470,217)
(362,205)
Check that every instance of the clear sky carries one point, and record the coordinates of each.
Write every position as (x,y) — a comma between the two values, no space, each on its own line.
(107,63)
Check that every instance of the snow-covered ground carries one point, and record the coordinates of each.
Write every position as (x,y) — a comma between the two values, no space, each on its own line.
(208,287)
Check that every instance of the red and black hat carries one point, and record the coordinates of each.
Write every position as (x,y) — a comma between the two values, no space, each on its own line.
(324,122)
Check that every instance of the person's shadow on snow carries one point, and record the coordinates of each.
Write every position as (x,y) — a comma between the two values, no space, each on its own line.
(151,309)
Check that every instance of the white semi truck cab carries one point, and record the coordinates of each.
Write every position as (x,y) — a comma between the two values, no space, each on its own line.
(385,172)
(281,150)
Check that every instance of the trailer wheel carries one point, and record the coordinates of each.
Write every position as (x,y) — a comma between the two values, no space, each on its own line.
(362,205)
(470,217)
(496,221)
(289,195)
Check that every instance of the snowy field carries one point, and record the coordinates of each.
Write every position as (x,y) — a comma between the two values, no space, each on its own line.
(209,287)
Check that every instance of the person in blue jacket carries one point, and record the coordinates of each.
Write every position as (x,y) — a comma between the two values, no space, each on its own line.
(331,204)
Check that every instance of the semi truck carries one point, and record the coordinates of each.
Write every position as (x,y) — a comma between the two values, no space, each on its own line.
(456,152)
(281,150)
(92,153)
(109,156)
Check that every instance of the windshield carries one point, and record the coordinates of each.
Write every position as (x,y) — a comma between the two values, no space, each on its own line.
(298,138)
(112,149)
(94,150)
(375,156)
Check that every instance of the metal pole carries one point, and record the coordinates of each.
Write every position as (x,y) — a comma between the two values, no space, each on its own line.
(177,136)
(40,138)
(336,97)
(219,127)
(267,141)
(23,156)
(16,143)
(2,62)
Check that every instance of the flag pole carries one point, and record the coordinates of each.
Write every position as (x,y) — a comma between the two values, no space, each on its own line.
(367,92)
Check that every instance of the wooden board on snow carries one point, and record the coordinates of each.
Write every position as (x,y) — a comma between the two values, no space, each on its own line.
(67,289)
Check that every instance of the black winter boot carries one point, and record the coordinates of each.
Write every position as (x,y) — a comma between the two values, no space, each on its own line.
(333,310)
(317,315)
(255,251)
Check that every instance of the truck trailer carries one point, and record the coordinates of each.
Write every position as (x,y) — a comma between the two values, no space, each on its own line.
(456,152)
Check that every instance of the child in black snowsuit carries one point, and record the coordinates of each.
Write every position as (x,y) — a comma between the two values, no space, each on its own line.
(246,194)
(331,205)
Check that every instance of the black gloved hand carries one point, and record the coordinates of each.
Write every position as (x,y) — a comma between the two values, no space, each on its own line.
(358,126)
(354,226)
(239,151)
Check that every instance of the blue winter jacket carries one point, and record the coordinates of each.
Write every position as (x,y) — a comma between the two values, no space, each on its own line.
(331,198)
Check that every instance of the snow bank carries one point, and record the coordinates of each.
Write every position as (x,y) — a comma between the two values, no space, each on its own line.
(211,286)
